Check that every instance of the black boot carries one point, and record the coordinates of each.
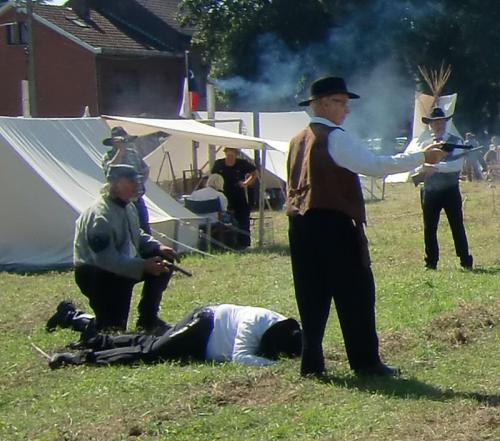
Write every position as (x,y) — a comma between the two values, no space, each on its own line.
(67,316)
(467,262)
(155,326)
(62,316)
(67,358)
(82,322)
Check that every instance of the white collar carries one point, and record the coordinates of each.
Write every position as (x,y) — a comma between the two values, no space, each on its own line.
(320,120)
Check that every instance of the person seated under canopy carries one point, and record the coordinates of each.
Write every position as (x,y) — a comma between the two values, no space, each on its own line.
(222,231)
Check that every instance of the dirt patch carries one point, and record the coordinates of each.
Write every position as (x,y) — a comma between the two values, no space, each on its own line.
(457,424)
(465,325)
(261,389)
(395,342)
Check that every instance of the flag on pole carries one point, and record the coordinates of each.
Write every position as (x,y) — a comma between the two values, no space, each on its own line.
(190,96)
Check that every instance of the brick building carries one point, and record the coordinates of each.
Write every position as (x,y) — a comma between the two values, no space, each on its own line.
(116,57)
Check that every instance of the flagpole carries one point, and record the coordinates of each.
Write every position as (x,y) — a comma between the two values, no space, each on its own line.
(186,63)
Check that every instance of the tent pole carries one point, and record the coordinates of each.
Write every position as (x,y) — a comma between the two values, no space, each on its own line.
(262,193)
(211,115)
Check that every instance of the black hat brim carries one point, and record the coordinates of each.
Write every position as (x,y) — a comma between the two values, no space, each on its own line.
(427,119)
(109,141)
(351,95)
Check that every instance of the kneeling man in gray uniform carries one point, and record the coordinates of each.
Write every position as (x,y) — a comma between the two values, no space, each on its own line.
(112,254)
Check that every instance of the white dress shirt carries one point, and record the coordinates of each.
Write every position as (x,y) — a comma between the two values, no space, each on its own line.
(237,333)
(354,155)
(449,166)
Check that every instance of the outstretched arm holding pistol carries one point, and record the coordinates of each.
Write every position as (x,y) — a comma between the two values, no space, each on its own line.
(433,154)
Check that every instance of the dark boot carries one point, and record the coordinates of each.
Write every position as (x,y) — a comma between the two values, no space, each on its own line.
(82,322)
(67,316)
(154,326)
(64,311)
(467,262)
(67,358)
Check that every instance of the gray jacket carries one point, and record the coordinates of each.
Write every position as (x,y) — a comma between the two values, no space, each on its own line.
(108,236)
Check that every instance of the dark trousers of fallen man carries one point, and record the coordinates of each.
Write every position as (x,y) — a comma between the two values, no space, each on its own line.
(186,340)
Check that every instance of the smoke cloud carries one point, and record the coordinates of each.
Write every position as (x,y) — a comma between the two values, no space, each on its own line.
(361,51)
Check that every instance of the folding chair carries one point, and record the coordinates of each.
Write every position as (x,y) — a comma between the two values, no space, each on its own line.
(204,208)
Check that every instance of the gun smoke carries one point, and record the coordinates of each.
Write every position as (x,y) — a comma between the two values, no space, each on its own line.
(359,50)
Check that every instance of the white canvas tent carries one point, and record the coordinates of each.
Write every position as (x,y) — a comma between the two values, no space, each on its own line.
(281,127)
(275,127)
(191,130)
(51,171)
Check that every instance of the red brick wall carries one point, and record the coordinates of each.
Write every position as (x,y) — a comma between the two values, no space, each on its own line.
(70,77)
(12,71)
(149,87)
(65,74)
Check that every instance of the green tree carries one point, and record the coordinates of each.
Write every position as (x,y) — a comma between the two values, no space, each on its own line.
(259,41)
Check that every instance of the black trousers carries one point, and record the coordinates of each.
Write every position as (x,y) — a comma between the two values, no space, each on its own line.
(110,295)
(449,200)
(187,339)
(240,210)
(330,261)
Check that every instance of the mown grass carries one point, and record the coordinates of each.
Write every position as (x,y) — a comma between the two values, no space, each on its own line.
(441,328)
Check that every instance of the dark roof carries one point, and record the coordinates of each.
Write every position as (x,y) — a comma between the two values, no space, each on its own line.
(166,10)
(125,25)
(98,32)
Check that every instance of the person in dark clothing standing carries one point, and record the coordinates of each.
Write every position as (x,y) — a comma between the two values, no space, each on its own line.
(440,191)
(238,176)
(328,247)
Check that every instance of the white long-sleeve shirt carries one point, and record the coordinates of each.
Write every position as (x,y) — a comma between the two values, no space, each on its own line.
(351,153)
(448,166)
(237,333)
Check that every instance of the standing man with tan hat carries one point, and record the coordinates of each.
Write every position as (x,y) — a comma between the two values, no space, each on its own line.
(123,151)
(328,247)
(440,191)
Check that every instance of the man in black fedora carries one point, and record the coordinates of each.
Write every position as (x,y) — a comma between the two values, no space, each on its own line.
(123,151)
(247,335)
(440,190)
(328,247)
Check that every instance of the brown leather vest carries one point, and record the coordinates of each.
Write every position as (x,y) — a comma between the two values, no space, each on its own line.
(315,181)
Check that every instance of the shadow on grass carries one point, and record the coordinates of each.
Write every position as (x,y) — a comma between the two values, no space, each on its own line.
(34,270)
(409,389)
(492,271)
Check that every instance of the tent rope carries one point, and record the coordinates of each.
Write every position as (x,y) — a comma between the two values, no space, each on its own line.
(176,242)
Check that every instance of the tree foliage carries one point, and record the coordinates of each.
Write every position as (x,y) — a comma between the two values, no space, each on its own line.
(258,41)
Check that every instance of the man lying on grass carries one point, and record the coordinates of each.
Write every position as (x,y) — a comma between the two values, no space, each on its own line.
(242,334)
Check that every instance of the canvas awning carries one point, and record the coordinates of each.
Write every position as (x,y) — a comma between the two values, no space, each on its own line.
(203,133)
(187,128)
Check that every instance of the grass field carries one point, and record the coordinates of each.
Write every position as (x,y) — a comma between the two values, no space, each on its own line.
(441,328)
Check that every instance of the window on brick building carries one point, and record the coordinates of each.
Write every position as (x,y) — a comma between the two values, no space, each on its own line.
(17,33)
